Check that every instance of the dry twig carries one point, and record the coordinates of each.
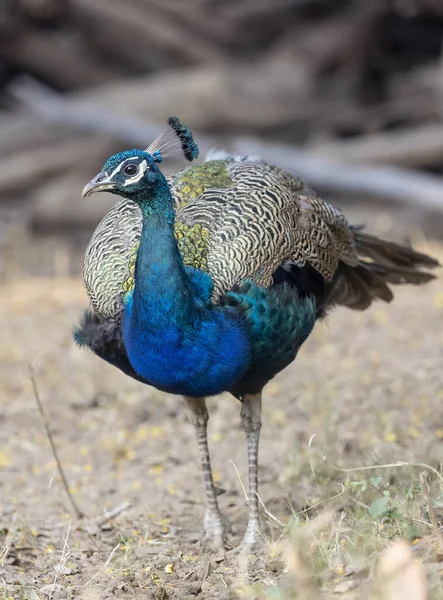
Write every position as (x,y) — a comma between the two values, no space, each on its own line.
(77,511)
(108,515)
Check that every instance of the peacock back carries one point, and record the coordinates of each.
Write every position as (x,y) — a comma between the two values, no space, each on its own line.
(236,218)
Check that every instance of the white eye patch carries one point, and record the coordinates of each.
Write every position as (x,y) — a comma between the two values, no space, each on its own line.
(119,167)
(139,175)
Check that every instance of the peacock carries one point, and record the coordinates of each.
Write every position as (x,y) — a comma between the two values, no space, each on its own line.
(211,279)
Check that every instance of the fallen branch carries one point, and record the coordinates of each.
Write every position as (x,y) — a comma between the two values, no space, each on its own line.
(400,186)
(108,515)
(23,170)
(417,146)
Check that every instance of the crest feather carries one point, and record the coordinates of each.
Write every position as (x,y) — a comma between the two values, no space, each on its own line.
(176,140)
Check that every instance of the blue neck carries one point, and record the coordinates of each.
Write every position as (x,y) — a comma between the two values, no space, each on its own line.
(158,201)
(173,340)
(159,270)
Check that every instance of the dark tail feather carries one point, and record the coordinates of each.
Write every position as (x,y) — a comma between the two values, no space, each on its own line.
(357,287)
(390,254)
(381,264)
(104,338)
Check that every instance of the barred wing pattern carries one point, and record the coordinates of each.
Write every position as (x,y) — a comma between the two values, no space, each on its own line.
(266,218)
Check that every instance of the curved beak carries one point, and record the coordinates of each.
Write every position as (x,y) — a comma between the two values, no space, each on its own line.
(100,183)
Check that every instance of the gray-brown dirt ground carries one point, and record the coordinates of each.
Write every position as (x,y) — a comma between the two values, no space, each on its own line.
(368,386)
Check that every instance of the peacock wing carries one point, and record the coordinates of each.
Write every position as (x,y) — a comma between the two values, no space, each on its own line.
(106,260)
(265,218)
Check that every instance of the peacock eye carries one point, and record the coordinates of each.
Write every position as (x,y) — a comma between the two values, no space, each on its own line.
(130,169)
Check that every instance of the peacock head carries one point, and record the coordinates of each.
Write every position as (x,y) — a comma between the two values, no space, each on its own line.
(131,173)
(127,174)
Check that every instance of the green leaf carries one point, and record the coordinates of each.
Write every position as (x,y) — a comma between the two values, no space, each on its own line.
(412,532)
(375,481)
(355,485)
(380,508)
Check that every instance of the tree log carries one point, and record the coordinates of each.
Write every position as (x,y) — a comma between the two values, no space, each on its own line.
(420,146)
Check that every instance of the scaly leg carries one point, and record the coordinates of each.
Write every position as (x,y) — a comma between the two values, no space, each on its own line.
(216,526)
(251,421)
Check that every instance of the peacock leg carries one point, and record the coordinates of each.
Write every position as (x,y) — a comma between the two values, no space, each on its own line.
(215,524)
(251,420)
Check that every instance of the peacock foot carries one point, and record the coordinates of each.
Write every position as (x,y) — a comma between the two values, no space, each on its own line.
(249,558)
(253,543)
(216,529)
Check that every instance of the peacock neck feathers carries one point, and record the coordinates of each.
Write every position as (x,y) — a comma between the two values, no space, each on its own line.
(163,289)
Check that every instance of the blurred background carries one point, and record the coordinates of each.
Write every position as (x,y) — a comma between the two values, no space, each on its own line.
(346,93)
(345,80)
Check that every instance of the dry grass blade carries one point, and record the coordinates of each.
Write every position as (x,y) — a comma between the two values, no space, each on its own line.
(8,542)
(394,466)
(103,567)
(240,480)
(63,558)
(77,511)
